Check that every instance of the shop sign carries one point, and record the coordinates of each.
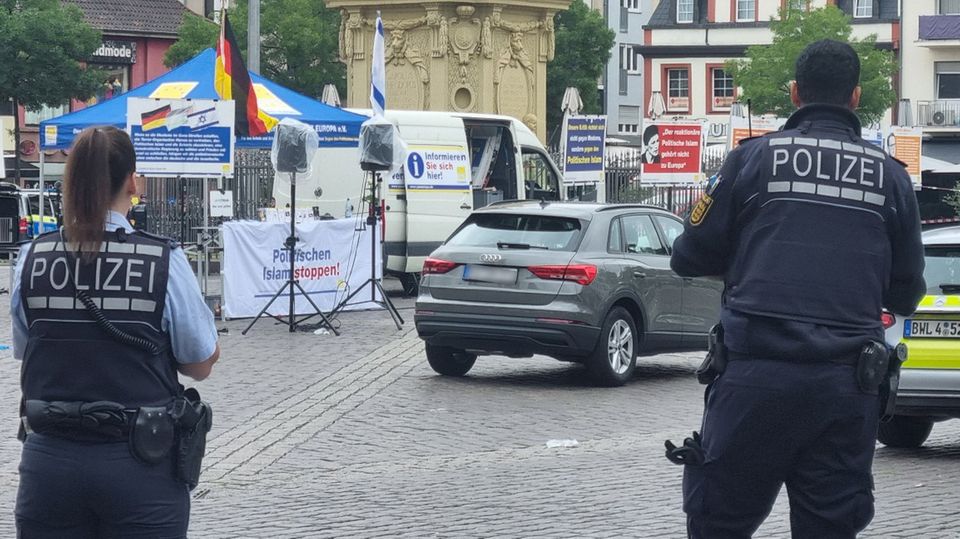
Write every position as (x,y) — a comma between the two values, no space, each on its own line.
(113,51)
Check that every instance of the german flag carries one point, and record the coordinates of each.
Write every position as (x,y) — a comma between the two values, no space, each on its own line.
(232,81)
(154,118)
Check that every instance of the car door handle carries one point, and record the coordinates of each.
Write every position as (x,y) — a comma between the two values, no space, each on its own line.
(687,279)
(465,206)
(639,275)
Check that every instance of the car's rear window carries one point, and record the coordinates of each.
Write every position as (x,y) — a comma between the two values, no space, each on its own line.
(517,231)
(942,268)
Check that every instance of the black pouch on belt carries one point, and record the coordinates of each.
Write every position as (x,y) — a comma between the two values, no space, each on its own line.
(872,367)
(152,434)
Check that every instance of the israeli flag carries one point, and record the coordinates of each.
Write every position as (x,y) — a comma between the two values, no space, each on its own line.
(378,81)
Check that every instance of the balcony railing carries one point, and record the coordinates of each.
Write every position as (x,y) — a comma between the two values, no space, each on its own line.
(941,113)
(939,27)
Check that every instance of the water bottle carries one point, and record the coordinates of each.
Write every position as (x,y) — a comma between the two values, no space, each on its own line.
(348,210)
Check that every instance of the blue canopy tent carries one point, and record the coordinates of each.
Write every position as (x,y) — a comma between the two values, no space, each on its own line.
(194,80)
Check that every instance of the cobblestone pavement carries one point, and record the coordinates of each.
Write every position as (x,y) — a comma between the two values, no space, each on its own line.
(354,436)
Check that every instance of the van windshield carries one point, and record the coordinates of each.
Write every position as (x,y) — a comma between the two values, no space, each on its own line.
(506,231)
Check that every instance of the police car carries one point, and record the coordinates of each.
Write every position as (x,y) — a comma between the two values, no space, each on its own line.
(20,216)
(930,379)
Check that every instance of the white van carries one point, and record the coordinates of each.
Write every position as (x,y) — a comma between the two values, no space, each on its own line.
(455,163)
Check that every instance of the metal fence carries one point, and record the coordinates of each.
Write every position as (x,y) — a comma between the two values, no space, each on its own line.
(624,183)
(175,206)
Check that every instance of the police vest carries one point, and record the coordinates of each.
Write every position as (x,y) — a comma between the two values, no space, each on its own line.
(69,357)
(815,233)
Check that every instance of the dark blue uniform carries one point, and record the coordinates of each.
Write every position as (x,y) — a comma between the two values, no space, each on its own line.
(814,232)
(81,482)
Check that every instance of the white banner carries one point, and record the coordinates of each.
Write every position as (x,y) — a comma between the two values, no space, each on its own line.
(332,260)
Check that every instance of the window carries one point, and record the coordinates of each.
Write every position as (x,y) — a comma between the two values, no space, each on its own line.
(949,7)
(640,236)
(34,117)
(671,228)
(746,10)
(631,5)
(628,119)
(948,80)
(797,4)
(863,8)
(537,231)
(614,241)
(723,91)
(684,11)
(678,89)
(540,180)
(629,60)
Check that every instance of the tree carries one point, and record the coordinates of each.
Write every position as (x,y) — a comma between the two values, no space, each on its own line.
(766,72)
(195,34)
(299,43)
(583,44)
(44,44)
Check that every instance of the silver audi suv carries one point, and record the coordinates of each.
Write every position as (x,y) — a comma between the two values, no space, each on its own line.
(587,283)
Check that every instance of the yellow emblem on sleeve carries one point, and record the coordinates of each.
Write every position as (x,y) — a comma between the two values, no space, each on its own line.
(700,210)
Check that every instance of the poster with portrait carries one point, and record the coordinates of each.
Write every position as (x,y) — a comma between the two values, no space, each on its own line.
(905,143)
(672,152)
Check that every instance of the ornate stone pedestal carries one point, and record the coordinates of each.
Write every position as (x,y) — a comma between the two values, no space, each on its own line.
(466,57)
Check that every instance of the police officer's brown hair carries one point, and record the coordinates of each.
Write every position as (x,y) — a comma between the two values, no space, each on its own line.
(827,71)
(101,160)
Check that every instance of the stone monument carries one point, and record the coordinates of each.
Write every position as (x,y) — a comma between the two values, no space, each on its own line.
(449,56)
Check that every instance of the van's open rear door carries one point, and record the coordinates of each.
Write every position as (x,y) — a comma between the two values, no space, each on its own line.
(437,185)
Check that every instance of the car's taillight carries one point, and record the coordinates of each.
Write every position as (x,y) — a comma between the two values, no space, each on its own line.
(579,273)
(23,225)
(888,320)
(437,266)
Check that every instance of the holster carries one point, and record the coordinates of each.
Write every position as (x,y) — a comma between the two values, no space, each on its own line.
(888,390)
(152,434)
(716,361)
(194,418)
(872,367)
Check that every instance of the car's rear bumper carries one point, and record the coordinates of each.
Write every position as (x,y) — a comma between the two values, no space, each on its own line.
(929,392)
(508,335)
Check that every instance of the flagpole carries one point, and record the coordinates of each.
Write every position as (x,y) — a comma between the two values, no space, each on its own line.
(253,37)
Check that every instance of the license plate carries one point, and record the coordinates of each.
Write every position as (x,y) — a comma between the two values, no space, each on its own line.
(488,274)
(943,329)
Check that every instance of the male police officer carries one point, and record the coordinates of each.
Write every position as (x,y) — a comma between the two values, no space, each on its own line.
(814,231)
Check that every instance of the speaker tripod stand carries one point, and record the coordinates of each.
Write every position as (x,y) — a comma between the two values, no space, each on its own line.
(374,216)
(292,286)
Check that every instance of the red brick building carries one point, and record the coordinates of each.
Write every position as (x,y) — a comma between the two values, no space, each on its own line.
(136,35)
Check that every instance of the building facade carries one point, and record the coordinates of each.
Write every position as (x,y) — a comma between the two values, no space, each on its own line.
(621,88)
(930,99)
(687,43)
(135,36)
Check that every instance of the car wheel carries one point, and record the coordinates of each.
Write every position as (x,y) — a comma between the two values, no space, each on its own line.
(449,361)
(615,357)
(904,431)
(410,283)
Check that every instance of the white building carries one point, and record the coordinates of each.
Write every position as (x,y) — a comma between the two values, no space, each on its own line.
(687,42)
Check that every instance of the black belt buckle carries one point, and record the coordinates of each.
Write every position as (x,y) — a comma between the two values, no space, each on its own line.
(872,367)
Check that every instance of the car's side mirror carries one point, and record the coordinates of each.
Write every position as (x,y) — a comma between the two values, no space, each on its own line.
(632,248)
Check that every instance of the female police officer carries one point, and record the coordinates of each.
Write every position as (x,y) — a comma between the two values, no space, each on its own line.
(103,318)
